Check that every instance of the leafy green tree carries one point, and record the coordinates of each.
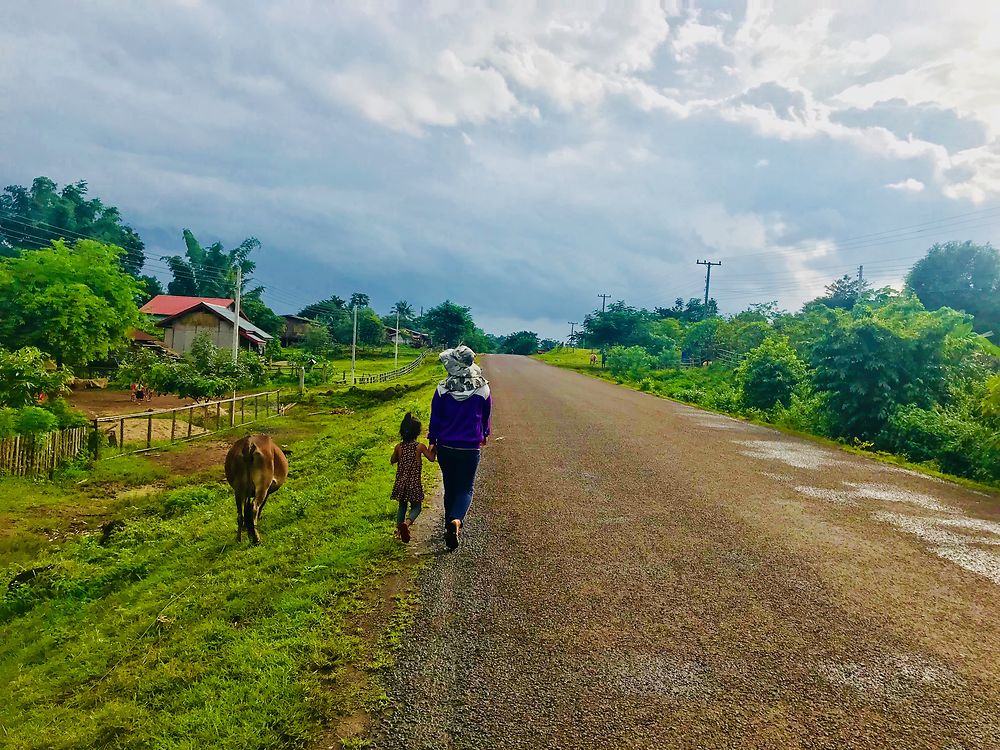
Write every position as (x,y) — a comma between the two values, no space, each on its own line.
(260,314)
(405,310)
(875,359)
(619,324)
(317,340)
(692,311)
(701,342)
(32,218)
(991,402)
(963,276)
(844,293)
(325,311)
(481,342)
(629,363)
(211,271)
(75,303)
(449,324)
(522,342)
(25,375)
(359,300)
(770,374)
(371,330)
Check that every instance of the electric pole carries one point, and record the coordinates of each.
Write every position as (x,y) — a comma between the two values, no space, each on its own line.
(354,344)
(396,366)
(236,320)
(861,275)
(708,275)
(604,300)
(572,333)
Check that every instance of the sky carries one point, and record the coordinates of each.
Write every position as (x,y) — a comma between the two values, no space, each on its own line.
(520,157)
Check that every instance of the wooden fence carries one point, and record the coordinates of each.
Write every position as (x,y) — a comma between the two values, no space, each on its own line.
(383,377)
(38,455)
(140,431)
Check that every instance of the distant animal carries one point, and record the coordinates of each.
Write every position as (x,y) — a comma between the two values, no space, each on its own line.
(593,360)
(255,468)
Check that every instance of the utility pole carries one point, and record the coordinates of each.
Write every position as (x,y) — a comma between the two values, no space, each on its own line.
(397,339)
(604,300)
(861,275)
(236,320)
(572,333)
(354,344)
(708,275)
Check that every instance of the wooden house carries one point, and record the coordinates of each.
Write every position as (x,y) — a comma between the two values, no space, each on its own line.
(295,329)
(217,322)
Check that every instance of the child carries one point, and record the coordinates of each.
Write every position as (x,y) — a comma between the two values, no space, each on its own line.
(409,490)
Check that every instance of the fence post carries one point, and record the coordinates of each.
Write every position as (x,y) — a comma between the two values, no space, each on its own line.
(173,424)
(190,417)
(218,414)
(95,441)
(255,406)
(121,436)
(149,431)
(243,410)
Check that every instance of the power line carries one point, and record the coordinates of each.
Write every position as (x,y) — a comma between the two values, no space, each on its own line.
(708,274)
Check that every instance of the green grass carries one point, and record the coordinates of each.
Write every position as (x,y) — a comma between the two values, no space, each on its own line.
(171,635)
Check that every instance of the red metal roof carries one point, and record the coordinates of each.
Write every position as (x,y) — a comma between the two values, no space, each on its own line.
(171,304)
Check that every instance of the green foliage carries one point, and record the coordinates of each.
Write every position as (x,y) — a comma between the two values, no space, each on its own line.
(692,311)
(260,314)
(619,325)
(448,324)
(874,359)
(991,402)
(668,357)
(481,342)
(26,374)
(406,316)
(66,415)
(844,293)
(963,276)
(770,374)
(522,342)
(75,303)
(632,363)
(701,341)
(211,271)
(33,218)
(205,372)
(33,420)
(947,437)
(317,340)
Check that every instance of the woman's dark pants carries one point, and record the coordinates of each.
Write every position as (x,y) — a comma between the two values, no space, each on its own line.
(458,468)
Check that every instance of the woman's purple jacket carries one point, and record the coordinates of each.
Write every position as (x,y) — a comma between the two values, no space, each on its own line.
(459,424)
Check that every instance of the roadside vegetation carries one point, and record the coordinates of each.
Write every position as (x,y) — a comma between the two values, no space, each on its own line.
(876,369)
(132,619)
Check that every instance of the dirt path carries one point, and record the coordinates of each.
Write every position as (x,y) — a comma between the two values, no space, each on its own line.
(640,574)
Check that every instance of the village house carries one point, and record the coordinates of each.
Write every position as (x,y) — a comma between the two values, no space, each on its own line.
(167,305)
(407,337)
(295,329)
(214,320)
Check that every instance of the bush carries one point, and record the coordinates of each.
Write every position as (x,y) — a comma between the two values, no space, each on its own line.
(632,363)
(946,437)
(26,374)
(65,414)
(668,358)
(33,420)
(769,374)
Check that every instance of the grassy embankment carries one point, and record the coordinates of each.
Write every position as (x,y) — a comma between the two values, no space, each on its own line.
(690,385)
(164,632)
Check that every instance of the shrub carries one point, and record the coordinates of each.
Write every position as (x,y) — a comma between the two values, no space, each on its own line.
(668,358)
(769,374)
(632,363)
(32,420)
(950,439)
(25,374)
(66,415)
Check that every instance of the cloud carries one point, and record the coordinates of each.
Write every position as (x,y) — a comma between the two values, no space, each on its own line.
(909,185)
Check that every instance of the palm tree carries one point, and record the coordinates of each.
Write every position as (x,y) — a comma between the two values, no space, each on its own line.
(210,272)
(404,309)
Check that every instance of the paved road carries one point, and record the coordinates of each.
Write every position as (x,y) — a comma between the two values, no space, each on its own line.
(640,574)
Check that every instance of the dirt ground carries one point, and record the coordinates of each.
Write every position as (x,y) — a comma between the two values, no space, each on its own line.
(640,574)
(103,402)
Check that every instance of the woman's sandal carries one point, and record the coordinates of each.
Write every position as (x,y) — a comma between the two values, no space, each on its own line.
(451,535)
(403,529)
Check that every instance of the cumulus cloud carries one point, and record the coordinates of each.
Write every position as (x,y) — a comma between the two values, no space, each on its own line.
(909,185)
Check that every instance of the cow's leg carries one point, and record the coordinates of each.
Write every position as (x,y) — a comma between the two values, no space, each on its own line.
(239,518)
(258,505)
(249,518)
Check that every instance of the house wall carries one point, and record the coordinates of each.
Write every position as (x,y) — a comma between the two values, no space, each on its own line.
(182,332)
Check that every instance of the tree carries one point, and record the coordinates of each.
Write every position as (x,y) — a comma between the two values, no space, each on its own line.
(522,342)
(316,339)
(75,303)
(844,293)
(620,324)
(31,218)
(211,272)
(963,276)
(692,311)
(260,314)
(871,360)
(405,310)
(769,374)
(25,375)
(359,300)
(629,363)
(449,324)
(701,339)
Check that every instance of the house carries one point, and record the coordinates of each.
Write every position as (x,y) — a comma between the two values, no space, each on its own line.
(166,305)
(142,340)
(295,329)
(217,321)
(416,339)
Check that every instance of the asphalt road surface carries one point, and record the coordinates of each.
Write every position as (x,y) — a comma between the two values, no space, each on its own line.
(636,573)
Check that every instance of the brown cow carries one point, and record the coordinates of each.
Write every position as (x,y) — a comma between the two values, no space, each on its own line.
(255,467)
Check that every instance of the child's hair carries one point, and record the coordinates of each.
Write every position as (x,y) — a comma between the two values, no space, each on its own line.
(409,428)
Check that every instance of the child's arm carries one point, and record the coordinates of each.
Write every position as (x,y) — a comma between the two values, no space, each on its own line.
(395,454)
(429,452)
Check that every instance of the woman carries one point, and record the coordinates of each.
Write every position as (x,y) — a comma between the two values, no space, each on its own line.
(459,426)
